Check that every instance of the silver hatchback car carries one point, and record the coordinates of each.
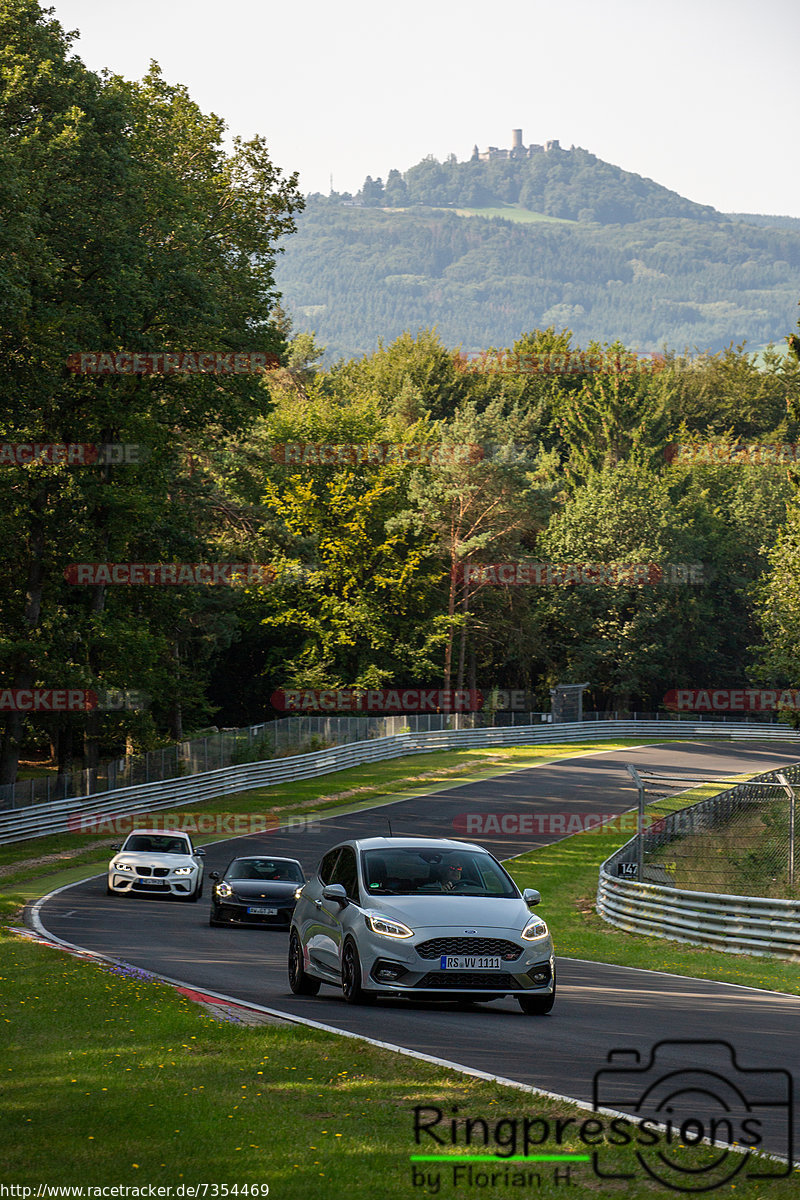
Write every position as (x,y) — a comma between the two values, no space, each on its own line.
(427,918)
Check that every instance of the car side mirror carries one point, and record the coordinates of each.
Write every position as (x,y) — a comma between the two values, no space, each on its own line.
(117,846)
(531,897)
(213,874)
(335,891)
(199,851)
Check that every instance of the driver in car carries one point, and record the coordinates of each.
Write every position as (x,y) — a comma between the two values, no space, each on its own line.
(452,876)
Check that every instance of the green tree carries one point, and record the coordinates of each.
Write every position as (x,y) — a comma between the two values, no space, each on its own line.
(134,230)
(396,192)
(472,509)
(640,640)
(618,412)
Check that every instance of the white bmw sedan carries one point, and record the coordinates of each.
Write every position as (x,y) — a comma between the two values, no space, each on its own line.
(425,918)
(152,861)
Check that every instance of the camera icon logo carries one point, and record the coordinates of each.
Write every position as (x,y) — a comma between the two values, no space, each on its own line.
(697,1117)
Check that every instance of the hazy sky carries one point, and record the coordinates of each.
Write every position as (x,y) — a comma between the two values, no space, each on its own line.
(701,95)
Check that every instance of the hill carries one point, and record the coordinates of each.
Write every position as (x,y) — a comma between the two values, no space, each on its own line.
(488,250)
(571,184)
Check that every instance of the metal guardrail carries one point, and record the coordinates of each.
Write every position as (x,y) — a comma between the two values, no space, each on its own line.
(209,752)
(64,815)
(756,925)
(228,747)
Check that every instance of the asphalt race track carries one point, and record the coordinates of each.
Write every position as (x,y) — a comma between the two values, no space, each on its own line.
(599,1008)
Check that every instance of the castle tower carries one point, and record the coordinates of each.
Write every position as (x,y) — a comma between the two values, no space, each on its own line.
(516,140)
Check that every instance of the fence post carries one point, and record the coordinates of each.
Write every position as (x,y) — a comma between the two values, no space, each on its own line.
(640,835)
(782,779)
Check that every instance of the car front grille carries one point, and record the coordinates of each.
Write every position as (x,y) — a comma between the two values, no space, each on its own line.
(159,871)
(474,980)
(469,945)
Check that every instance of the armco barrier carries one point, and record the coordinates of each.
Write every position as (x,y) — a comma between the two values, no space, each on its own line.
(36,820)
(737,924)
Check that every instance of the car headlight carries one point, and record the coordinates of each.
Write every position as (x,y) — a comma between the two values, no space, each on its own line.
(298,891)
(121,866)
(183,870)
(535,930)
(393,929)
(224,890)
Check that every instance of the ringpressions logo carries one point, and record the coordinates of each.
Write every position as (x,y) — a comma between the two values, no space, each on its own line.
(685,1117)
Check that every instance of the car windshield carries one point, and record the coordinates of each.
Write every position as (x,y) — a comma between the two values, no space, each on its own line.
(155,844)
(265,869)
(424,871)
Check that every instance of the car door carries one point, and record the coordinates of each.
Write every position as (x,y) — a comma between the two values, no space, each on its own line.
(315,919)
(331,915)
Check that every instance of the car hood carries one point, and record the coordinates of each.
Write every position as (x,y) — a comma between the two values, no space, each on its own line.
(454,912)
(142,858)
(277,889)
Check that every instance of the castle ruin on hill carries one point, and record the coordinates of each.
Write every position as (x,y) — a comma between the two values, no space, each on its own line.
(517,149)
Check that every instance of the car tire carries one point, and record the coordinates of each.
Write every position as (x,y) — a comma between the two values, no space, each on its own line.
(211,919)
(300,983)
(109,890)
(537,1006)
(194,896)
(352,990)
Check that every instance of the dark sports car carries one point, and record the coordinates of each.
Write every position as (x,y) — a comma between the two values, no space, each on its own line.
(260,890)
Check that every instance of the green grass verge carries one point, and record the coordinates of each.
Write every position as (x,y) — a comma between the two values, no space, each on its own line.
(566,874)
(57,859)
(111,1079)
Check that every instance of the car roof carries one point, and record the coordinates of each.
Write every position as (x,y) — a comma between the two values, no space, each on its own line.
(428,843)
(171,833)
(278,858)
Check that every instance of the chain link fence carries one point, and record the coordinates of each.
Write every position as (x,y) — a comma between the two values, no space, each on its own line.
(230,747)
(741,842)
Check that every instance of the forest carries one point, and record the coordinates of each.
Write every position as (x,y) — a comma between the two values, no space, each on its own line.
(355,275)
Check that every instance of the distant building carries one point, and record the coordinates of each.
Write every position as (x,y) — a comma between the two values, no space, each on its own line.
(518,149)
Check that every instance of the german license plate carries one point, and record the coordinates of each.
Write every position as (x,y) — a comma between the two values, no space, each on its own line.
(469,962)
(263,912)
(150,882)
